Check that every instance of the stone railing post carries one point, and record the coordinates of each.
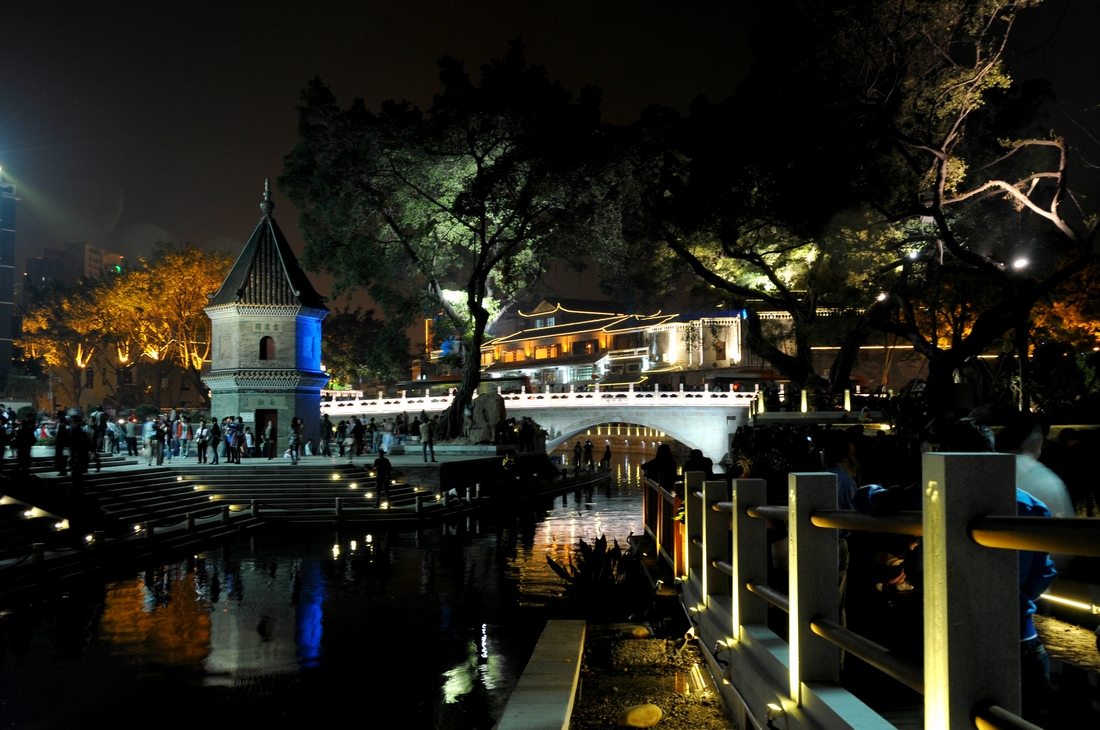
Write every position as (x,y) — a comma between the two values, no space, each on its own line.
(750,555)
(814,581)
(971,612)
(716,542)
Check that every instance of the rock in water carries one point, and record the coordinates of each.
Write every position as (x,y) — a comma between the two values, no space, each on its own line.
(640,716)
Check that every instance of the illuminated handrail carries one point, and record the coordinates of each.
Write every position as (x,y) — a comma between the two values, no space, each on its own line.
(962,491)
(1072,535)
(991,717)
(772,596)
(859,646)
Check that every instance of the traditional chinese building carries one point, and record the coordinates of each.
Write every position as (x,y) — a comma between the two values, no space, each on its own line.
(558,344)
(266,330)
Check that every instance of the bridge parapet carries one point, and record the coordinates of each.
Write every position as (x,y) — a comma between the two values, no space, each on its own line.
(971,671)
(545,400)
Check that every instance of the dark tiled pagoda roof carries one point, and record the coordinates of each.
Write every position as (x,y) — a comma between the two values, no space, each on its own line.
(267,271)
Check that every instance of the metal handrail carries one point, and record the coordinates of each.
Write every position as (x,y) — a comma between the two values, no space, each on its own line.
(722,507)
(988,716)
(769,512)
(902,523)
(772,596)
(1071,535)
(723,566)
(877,656)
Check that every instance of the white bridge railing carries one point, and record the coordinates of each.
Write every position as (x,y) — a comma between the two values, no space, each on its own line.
(541,400)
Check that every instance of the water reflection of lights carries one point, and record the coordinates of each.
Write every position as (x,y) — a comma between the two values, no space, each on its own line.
(354,545)
(481,666)
(335,552)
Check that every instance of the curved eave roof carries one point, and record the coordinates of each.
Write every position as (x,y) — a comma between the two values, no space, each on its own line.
(267,272)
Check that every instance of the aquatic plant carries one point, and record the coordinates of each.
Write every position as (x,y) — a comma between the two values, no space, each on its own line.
(604,583)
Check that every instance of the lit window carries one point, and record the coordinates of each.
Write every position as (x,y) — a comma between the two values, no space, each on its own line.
(549,321)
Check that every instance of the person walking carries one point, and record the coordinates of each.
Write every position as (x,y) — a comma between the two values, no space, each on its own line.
(357,432)
(269,440)
(148,432)
(202,441)
(166,435)
(341,437)
(326,435)
(295,440)
(427,438)
(184,435)
(382,471)
(133,430)
(215,440)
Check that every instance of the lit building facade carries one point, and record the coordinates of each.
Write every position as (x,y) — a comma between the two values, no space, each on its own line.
(563,345)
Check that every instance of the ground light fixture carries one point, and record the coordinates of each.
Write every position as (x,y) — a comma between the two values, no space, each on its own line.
(354,485)
(774,712)
(335,477)
(368,495)
(1020,263)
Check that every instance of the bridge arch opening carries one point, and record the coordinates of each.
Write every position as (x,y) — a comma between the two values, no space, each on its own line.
(619,436)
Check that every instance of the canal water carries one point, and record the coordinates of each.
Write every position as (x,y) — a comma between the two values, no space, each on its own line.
(427,629)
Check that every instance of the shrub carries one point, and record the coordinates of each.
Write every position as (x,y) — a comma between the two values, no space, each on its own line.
(47,441)
(604,584)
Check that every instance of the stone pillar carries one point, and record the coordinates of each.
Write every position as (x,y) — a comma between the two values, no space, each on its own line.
(814,586)
(971,612)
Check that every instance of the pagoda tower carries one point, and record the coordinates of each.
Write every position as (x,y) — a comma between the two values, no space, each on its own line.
(266,337)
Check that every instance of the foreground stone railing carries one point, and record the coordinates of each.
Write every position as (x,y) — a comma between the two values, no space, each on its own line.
(971,671)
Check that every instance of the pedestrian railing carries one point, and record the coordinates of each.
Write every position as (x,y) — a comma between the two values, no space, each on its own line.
(971,671)
(659,510)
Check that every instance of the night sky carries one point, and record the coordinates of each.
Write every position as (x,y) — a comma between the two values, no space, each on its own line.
(125,121)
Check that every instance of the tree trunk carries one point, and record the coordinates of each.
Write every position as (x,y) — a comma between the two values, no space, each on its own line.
(471,377)
(840,374)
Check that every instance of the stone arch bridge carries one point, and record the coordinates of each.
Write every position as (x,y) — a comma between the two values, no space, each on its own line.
(699,420)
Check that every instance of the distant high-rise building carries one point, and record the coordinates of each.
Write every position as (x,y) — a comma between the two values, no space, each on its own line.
(71,262)
(7,277)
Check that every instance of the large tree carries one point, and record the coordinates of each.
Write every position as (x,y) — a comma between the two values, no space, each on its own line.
(456,209)
(905,107)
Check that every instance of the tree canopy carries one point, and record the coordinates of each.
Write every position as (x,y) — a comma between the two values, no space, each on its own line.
(152,314)
(886,167)
(456,209)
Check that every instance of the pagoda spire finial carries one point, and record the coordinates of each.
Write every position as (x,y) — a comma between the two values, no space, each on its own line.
(268,205)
